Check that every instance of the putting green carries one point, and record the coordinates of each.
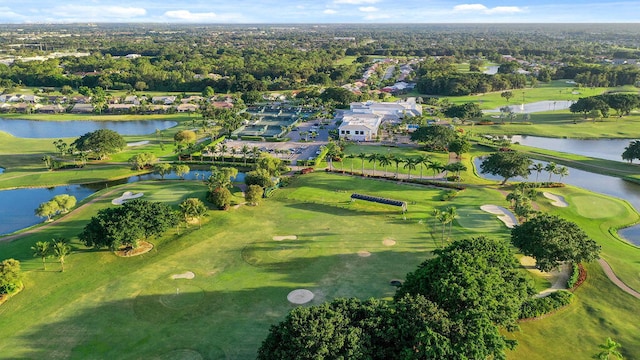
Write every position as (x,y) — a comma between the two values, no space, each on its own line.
(286,253)
(475,219)
(595,207)
(167,300)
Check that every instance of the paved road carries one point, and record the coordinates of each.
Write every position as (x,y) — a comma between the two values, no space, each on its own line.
(612,276)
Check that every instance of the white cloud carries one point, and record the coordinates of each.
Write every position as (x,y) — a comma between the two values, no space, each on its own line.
(488,11)
(355,2)
(469,7)
(188,16)
(505,10)
(93,13)
(329,12)
(368,9)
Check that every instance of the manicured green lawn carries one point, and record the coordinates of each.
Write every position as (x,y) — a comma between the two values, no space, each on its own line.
(108,307)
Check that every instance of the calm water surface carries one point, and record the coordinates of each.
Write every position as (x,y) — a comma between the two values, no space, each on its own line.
(75,128)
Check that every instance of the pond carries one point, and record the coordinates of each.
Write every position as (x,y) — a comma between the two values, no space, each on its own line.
(75,128)
(17,206)
(607,185)
(609,149)
(539,106)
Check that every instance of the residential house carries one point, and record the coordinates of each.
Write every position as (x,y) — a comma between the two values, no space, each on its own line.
(163,100)
(187,108)
(131,99)
(121,108)
(50,109)
(391,110)
(80,108)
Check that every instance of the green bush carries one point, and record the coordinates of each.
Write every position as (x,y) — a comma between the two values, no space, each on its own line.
(575,275)
(448,195)
(536,307)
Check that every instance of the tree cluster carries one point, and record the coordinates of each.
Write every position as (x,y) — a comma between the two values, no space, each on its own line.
(125,225)
(599,105)
(450,308)
(59,204)
(101,143)
(10,276)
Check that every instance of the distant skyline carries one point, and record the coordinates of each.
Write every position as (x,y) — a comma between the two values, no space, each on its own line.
(318,11)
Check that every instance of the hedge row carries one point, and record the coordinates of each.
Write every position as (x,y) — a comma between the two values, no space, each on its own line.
(536,307)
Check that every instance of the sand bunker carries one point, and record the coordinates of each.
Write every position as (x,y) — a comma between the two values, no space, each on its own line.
(286,237)
(145,142)
(127,195)
(300,296)
(187,275)
(388,242)
(504,215)
(557,277)
(364,253)
(556,200)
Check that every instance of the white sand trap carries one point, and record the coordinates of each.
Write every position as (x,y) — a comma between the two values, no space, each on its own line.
(556,200)
(300,296)
(504,215)
(145,142)
(286,237)
(127,195)
(187,275)
(557,277)
(364,253)
(388,242)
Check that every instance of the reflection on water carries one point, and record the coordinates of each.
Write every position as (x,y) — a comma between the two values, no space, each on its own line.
(602,184)
(17,206)
(610,149)
(75,128)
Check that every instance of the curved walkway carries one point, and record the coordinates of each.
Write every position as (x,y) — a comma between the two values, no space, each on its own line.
(612,276)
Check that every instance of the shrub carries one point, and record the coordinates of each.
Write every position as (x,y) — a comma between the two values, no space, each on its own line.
(575,274)
(536,307)
(448,195)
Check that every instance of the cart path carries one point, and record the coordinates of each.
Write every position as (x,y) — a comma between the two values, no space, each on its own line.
(612,276)
(39,228)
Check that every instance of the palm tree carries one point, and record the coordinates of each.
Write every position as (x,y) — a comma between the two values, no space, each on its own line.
(423,160)
(550,168)
(410,164)
(234,151)
(538,167)
(434,214)
(362,157)
(373,158)
(245,151)
(332,150)
(223,150)
(456,167)
(42,249)
(385,160)
(562,171)
(443,217)
(60,250)
(255,152)
(351,156)
(436,166)
(451,214)
(193,208)
(609,349)
(397,160)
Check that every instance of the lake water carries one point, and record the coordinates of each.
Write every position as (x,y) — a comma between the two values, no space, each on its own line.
(17,206)
(609,149)
(607,185)
(75,128)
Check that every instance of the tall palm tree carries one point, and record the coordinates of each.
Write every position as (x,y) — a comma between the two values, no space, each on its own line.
(538,168)
(436,166)
(223,150)
(234,151)
(451,215)
(562,171)
(60,250)
(550,168)
(245,151)
(42,249)
(443,217)
(362,157)
(410,164)
(374,158)
(423,160)
(397,160)
(385,160)
(351,156)
(456,168)
(609,350)
(255,152)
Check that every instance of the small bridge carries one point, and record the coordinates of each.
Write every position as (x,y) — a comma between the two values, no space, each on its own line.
(402,204)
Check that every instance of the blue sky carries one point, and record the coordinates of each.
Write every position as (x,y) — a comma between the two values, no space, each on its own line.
(318,11)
